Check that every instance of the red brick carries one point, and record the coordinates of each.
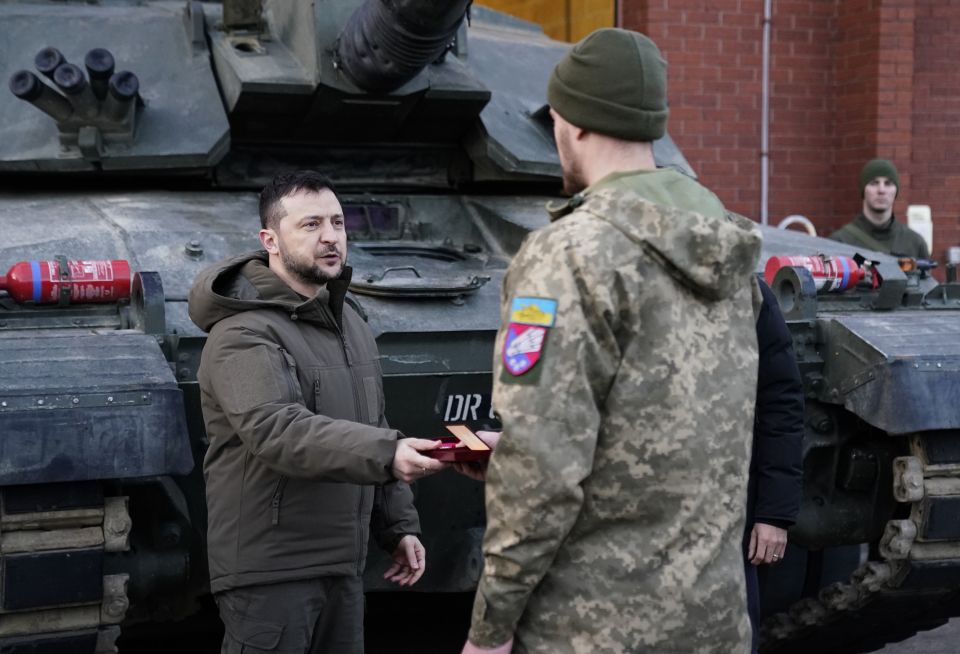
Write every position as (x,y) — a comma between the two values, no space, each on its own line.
(741,19)
(852,79)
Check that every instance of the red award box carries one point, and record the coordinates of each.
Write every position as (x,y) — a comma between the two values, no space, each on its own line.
(463,446)
(451,449)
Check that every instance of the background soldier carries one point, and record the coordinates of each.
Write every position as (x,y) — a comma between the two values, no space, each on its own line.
(876,228)
(626,382)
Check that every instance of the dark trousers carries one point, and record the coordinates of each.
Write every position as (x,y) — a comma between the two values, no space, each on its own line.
(753,591)
(753,602)
(313,616)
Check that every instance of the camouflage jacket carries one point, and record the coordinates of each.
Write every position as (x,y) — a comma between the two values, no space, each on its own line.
(625,378)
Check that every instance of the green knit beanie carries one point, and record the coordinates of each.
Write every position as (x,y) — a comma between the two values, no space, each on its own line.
(878,168)
(613,82)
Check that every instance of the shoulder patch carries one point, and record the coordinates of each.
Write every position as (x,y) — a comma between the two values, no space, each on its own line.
(533,311)
(530,318)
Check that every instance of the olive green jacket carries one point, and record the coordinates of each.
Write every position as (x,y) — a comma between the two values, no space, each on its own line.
(666,187)
(616,496)
(293,405)
(893,238)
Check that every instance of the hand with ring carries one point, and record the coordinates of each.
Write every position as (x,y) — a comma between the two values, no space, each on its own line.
(408,462)
(767,544)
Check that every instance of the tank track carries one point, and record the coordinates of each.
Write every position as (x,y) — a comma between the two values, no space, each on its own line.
(916,584)
(55,594)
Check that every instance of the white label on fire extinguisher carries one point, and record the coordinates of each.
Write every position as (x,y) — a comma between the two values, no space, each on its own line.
(82,273)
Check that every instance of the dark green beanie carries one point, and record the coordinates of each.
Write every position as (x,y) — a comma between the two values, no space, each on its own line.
(613,82)
(878,168)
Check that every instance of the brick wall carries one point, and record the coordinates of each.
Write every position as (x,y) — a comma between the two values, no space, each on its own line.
(850,80)
(713,88)
(935,161)
(802,108)
(714,54)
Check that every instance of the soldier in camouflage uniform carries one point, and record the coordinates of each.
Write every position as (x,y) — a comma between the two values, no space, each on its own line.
(625,379)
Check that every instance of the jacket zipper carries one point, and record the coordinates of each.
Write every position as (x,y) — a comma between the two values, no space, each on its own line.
(356,408)
(360,530)
(277,498)
(290,373)
(282,483)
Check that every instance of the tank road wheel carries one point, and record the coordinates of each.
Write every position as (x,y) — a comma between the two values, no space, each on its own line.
(912,586)
(54,594)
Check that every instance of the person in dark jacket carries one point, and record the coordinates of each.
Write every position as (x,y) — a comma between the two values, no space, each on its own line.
(876,227)
(301,460)
(776,470)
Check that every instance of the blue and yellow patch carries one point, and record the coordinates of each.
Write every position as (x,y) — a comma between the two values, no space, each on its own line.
(538,311)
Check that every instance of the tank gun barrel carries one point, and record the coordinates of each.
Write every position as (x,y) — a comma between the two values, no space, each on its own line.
(385,44)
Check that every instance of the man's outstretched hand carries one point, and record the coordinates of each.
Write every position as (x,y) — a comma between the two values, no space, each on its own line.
(478,469)
(409,465)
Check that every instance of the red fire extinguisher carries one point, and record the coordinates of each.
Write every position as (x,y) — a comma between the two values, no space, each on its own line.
(830,273)
(67,282)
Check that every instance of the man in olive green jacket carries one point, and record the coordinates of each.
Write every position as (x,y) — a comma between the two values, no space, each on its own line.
(625,379)
(300,459)
(876,228)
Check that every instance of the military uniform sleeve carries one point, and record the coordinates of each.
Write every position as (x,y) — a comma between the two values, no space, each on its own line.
(550,417)
(246,374)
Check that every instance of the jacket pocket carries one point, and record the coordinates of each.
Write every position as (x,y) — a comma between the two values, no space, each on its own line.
(290,377)
(253,634)
(276,500)
(371,390)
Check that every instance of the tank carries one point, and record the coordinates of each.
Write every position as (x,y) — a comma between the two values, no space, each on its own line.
(873,557)
(142,131)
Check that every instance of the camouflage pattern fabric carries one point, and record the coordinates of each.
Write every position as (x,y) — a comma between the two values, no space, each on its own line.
(616,495)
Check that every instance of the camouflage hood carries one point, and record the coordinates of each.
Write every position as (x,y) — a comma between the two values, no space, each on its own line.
(709,255)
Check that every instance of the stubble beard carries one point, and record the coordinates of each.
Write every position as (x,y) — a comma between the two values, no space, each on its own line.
(310,272)
(573,181)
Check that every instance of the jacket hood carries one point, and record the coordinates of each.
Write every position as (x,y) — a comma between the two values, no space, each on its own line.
(712,256)
(245,282)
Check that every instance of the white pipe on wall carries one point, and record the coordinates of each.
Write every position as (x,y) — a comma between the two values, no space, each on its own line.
(765,115)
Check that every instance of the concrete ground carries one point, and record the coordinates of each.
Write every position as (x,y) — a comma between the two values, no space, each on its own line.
(943,640)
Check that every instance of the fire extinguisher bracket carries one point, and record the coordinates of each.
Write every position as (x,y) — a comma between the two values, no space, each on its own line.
(65,287)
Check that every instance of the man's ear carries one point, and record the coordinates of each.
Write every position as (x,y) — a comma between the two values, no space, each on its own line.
(579,133)
(268,239)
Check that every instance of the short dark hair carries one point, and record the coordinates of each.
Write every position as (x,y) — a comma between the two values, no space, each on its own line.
(289,183)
